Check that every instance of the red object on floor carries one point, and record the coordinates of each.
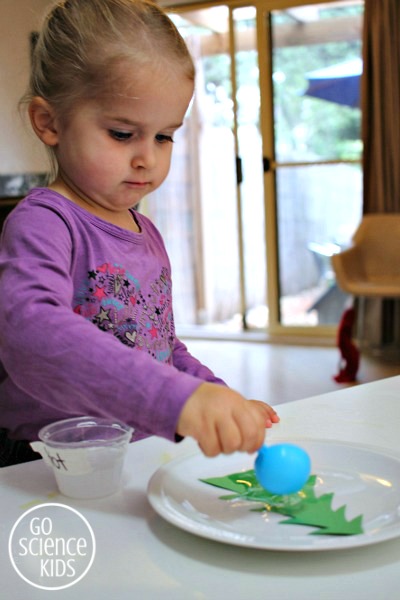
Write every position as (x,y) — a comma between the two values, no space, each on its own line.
(350,354)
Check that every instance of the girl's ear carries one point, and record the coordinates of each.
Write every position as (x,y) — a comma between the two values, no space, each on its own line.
(43,121)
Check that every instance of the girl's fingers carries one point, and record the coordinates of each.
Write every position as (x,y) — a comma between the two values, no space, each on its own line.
(251,423)
(230,436)
(271,416)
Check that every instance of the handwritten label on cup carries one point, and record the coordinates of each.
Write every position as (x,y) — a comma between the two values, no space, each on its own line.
(67,461)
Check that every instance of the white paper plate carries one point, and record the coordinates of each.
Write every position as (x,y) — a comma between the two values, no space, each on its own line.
(365,479)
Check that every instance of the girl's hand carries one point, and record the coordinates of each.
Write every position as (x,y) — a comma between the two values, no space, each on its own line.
(223,421)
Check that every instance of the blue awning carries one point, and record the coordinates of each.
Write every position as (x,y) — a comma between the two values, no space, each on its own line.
(338,83)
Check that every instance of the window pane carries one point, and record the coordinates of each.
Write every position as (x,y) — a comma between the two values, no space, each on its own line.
(316,86)
(316,73)
(250,152)
(195,208)
(316,218)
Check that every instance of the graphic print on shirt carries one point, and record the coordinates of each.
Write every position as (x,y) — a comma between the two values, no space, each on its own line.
(113,299)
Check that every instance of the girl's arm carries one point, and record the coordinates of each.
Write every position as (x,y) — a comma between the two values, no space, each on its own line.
(59,364)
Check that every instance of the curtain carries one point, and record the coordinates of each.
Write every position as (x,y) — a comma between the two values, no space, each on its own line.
(380,103)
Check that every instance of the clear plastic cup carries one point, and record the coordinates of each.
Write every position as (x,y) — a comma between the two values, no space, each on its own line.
(86,454)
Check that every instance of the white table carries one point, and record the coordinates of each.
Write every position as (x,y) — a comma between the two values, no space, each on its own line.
(141,556)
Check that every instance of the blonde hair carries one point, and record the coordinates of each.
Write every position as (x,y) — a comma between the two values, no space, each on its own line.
(86,47)
(83,43)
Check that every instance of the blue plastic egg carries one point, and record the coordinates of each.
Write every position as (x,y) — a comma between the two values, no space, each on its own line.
(282,468)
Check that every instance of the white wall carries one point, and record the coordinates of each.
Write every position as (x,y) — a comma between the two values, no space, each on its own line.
(20,151)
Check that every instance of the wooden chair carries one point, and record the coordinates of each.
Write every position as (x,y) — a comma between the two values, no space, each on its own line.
(370,268)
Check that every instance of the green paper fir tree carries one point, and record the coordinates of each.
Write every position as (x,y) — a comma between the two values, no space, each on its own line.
(311,511)
(319,513)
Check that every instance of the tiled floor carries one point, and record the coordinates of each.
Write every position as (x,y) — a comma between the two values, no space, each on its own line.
(282,373)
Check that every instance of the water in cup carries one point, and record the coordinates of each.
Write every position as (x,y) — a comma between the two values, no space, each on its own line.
(86,454)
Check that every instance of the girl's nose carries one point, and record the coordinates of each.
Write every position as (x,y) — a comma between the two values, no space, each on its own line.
(144,155)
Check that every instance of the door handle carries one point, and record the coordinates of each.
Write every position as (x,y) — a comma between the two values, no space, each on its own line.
(239,172)
(266,164)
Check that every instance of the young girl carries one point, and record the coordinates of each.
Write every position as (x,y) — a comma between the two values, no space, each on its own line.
(85,282)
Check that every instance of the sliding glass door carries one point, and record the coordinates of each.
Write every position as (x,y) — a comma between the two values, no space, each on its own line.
(200,207)
(266,177)
(314,156)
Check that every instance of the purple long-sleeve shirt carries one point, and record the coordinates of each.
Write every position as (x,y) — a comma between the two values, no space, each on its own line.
(86,322)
